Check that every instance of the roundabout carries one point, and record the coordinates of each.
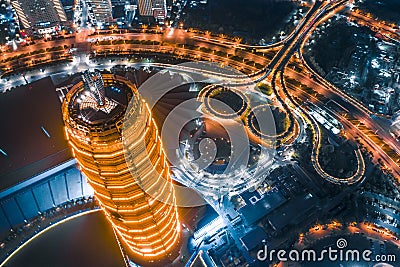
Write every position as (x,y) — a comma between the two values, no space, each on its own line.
(235,99)
(280,117)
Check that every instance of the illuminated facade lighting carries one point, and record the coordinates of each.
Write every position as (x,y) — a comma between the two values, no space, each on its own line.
(102,11)
(147,228)
(153,8)
(39,13)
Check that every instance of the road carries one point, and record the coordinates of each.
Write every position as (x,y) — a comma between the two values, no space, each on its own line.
(278,66)
(199,46)
(388,30)
(375,124)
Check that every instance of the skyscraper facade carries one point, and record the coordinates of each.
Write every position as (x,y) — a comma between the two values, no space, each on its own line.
(153,8)
(159,9)
(145,8)
(39,13)
(101,12)
(93,111)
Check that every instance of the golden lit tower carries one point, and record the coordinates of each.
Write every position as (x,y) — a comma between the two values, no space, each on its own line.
(93,113)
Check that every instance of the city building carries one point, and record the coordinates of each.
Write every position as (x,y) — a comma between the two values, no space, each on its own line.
(259,205)
(156,9)
(145,8)
(93,112)
(37,171)
(202,259)
(100,12)
(9,24)
(44,15)
(159,9)
(118,9)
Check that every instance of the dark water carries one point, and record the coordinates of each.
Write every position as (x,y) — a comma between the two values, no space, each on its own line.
(84,241)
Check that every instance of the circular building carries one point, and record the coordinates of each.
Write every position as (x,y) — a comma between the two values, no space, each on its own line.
(94,110)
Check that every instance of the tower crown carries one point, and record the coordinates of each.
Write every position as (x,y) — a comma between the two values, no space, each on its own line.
(95,85)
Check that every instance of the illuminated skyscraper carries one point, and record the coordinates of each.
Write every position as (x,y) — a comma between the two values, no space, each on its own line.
(93,113)
(153,8)
(39,13)
(100,12)
(159,9)
(145,8)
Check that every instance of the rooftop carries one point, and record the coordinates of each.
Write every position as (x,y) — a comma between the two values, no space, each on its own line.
(32,136)
(257,206)
(253,238)
(293,212)
(86,108)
